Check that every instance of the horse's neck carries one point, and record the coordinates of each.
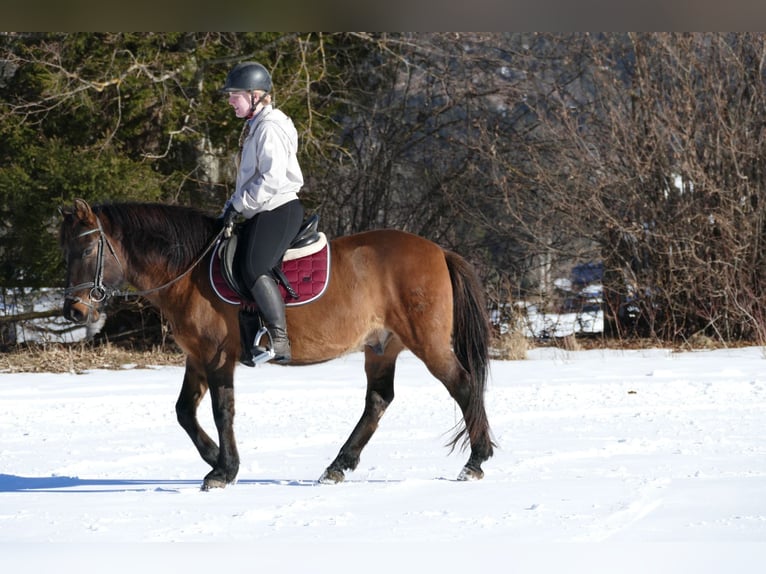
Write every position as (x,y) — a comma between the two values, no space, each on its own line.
(149,271)
(151,265)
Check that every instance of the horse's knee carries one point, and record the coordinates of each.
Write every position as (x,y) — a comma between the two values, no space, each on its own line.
(382,397)
(377,402)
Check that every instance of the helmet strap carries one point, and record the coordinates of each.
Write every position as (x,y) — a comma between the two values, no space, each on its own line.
(253,102)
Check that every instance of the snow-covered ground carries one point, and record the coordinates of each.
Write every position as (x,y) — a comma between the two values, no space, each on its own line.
(619,461)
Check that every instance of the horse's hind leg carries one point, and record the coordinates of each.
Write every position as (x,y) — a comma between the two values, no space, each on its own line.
(461,386)
(379,366)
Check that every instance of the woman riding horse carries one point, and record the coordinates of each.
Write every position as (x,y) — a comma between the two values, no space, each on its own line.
(266,194)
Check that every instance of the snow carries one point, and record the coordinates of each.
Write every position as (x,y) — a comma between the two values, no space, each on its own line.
(536,324)
(629,461)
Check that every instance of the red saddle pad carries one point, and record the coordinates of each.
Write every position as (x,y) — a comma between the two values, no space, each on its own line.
(307,275)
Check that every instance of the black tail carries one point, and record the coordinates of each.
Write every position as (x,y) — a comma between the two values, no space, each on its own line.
(470,342)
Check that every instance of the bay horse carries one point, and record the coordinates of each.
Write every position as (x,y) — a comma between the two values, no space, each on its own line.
(388,291)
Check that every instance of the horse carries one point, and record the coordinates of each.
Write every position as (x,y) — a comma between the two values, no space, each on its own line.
(388,291)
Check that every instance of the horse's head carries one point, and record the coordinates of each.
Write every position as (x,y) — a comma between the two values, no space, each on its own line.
(93,268)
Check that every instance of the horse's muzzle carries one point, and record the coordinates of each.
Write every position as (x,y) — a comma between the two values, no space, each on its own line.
(78,311)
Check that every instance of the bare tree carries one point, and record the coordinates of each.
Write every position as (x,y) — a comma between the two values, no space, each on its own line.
(650,148)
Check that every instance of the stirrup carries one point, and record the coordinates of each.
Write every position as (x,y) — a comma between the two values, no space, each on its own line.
(262,354)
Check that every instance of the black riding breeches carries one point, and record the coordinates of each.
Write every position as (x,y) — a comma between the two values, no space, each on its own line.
(265,238)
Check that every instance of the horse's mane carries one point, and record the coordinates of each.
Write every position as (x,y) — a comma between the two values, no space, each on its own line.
(148,231)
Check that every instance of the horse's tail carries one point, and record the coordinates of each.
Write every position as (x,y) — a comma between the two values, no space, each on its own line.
(470,343)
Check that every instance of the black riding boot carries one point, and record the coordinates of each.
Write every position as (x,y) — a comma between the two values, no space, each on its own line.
(272,308)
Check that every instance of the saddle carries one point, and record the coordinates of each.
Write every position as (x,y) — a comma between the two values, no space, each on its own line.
(302,275)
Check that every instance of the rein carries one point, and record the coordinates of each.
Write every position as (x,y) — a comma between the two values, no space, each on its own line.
(100,292)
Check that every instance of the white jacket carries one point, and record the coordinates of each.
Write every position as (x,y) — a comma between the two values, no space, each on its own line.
(269,174)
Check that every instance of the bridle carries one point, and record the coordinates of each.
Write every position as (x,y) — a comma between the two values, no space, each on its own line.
(99,292)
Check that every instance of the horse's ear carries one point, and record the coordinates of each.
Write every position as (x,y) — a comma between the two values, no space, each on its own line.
(82,211)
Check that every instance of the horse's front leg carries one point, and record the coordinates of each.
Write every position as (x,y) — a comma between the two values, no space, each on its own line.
(192,392)
(197,380)
(226,467)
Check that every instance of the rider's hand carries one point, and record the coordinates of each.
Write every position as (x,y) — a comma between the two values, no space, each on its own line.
(227,217)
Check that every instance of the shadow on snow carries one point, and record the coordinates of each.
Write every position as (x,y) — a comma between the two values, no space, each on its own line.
(13,483)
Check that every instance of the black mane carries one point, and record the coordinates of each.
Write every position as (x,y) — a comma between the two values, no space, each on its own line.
(176,234)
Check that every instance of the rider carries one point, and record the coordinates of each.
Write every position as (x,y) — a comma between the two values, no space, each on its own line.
(266,195)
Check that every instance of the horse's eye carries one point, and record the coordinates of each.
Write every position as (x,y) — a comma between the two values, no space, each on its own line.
(87,251)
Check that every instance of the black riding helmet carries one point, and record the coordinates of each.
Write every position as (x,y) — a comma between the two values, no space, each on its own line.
(246,77)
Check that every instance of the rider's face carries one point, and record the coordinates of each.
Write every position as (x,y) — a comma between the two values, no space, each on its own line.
(241,103)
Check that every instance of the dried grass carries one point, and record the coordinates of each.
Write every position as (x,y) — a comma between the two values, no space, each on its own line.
(510,346)
(83,357)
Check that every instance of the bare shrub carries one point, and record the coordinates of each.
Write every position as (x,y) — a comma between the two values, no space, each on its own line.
(511,346)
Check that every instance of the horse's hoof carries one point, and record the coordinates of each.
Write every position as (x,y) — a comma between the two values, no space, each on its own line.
(332,476)
(469,473)
(211,484)
(215,480)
